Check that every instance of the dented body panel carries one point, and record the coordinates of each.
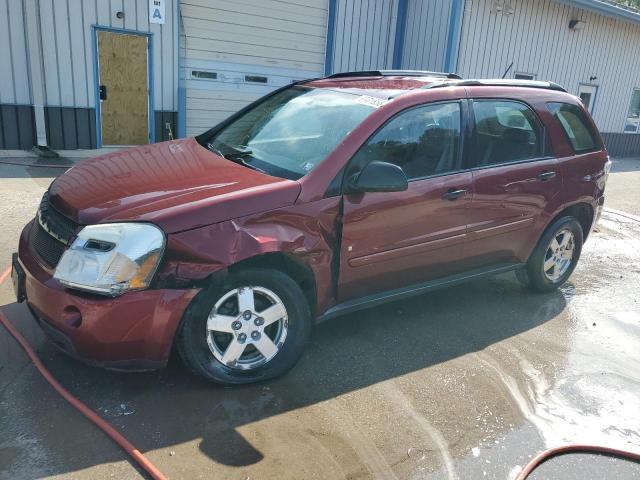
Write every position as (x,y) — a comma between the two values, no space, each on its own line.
(306,232)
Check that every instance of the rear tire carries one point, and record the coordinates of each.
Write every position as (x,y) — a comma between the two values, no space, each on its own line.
(555,257)
(253,327)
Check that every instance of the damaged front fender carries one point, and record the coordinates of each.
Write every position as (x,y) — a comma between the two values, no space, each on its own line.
(307,233)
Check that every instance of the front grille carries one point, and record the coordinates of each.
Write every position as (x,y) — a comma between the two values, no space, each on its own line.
(47,247)
(54,222)
(50,233)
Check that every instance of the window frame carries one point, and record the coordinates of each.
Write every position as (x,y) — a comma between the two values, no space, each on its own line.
(461,151)
(547,151)
(598,145)
(624,128)
(594,95)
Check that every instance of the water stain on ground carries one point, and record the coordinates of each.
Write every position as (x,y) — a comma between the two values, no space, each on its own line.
(467,382)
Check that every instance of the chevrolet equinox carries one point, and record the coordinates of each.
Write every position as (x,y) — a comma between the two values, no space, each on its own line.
(321,198)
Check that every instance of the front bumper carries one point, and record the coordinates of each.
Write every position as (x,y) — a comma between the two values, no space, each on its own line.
(132,331)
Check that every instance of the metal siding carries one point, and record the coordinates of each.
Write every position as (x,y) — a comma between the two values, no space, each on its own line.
(26,127)
(78,53)
(49,53)
(56,73)
(364,35)
(69,131)
(536,38)
(9,126)
(284,41)
(209,102)
(131,14)
(269,33)
(67,54)
(18,53)
(7,83)
(89,17)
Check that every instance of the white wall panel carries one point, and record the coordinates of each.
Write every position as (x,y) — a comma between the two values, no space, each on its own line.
(211,101)
(271,33)
(65,29)
(18,47)
(281,40)
(537,39)
(9,59)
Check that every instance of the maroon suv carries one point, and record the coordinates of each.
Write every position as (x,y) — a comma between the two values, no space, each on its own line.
(319,199)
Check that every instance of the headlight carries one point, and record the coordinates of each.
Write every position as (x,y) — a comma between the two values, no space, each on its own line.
(112,258)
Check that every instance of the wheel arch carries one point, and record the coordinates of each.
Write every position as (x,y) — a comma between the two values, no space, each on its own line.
(288,264)
(582,211)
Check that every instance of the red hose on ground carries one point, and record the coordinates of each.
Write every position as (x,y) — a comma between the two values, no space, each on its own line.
(43,165)
(552,452)
(4,275)
(137,456)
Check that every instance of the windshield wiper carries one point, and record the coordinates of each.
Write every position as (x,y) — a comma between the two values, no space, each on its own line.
(235,157)
(240,154)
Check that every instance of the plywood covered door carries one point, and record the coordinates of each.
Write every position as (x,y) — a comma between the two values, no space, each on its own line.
(124,91)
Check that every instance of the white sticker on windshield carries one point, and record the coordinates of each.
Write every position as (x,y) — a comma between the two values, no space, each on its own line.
(307,166)
(371,101)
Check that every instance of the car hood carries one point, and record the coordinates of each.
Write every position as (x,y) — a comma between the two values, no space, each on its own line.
(178,185)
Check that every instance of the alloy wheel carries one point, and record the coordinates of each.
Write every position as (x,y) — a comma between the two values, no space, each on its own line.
(247,327)
(559,255)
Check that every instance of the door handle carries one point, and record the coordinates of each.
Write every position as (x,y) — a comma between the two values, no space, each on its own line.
(544,176)
(453,194)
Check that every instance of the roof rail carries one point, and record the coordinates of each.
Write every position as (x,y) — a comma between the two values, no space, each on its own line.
(395,73)
(499,82)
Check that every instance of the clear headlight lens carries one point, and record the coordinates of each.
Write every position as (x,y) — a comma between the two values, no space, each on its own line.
(112,258)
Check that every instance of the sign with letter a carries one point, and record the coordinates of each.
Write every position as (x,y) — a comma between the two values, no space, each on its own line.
(156,11)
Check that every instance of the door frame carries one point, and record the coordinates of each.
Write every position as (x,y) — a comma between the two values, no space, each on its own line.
(151,127)
(594,96)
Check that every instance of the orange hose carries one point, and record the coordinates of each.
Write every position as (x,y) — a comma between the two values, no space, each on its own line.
(137,456)
(552,452)
(42,165)
(4,275)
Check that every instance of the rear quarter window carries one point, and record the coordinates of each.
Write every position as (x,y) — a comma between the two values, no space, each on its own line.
(576,126)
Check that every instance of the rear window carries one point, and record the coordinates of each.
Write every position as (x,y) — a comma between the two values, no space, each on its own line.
(576,125)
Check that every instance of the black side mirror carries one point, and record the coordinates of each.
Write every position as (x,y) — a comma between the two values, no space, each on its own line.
(378,177)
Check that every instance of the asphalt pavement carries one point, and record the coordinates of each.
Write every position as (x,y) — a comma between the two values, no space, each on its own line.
(464,383)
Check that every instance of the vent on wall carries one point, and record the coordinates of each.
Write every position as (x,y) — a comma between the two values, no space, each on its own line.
(204,75)
(255,79)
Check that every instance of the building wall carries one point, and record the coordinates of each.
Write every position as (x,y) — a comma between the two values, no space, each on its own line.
(535,36)
(235,51)
(364,35)
(426,33)
(50,64)
(371,34)
(17,123)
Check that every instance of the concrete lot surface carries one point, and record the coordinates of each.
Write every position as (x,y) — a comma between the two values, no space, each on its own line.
(464,383)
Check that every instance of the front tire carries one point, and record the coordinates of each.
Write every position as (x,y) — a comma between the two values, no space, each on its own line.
(555,257)
(253,327)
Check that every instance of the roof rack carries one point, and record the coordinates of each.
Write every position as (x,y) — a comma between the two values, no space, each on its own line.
(395,73)
(499,82)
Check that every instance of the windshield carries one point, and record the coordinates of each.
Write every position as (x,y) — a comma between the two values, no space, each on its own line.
(290,133)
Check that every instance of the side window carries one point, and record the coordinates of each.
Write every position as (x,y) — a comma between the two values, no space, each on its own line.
(504,132)
(576,126)
(423,141)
